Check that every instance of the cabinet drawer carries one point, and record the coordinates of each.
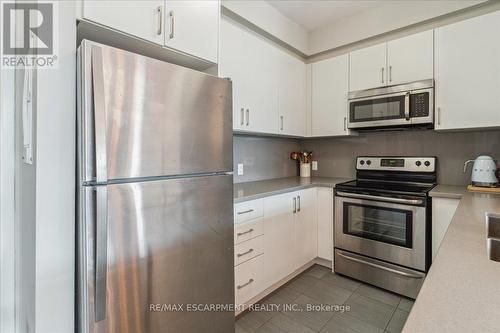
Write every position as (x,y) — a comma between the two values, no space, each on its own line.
(248,279)
(248,210)
(248,230)
(248,250)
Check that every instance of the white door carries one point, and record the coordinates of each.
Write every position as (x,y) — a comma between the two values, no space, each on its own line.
(411,58)
(330,84)
(193,27)
(248,60)
(325,223)
(467,73)
(292,95)
(305,231)
(142,19)
(368,67)
(278,237)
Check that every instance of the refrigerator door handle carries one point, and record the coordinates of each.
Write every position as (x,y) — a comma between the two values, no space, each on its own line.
(101,252)
(99,115)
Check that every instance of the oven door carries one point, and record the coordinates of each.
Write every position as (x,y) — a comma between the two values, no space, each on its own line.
(385,228)
(384,110)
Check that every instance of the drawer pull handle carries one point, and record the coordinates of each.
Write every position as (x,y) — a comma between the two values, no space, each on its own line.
(244,233)
(244,253)
(245,284)
(245,212)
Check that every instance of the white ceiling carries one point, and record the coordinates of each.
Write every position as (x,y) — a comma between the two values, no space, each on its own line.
(317,13)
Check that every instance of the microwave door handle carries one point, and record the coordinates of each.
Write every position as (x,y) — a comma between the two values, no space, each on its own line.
(407,106)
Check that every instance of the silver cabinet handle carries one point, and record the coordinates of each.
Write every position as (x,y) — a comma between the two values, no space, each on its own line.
(294,205)
(298,203)
(345,124)
(101,253)
(439,115)
(245,212)
(281,118)
(244,253)
(242,116)
(245,284)
(248,117)
(377,198)
(407,106)
(383,74)
(390,73)
(388,269)
(172,24)
(244,232)
(159,12)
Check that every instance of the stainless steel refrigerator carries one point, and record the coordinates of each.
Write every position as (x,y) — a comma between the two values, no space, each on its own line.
(155,195)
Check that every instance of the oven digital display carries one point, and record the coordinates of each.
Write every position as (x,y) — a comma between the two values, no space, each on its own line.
(392,162)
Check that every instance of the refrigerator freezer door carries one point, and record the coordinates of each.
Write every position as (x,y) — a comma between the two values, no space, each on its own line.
(159,119)
(169,244)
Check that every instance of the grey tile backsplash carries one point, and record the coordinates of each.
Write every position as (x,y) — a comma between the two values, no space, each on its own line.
(268,157)
(336,156)
(263,157)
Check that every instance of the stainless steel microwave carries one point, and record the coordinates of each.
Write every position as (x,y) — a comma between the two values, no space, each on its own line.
(404,105)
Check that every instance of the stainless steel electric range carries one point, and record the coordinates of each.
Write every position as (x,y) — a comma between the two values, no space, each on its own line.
(383,222)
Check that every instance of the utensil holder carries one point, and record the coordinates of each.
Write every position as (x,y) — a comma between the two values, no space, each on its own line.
(305,170)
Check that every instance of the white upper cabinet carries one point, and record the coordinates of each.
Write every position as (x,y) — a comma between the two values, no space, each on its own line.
(398,61)
(253,64)
(292,95)
(410,58)
(329,87)
(142,19)
(368,67)
(193,27)
(467,76)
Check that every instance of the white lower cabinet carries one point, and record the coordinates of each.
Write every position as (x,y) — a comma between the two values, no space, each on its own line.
(443,210)
(279,214)
(305,231)
(325,223)
(248,279)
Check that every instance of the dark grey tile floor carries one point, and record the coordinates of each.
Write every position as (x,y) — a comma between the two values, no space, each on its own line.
(370,309)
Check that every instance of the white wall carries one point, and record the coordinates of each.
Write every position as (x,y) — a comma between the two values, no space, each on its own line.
(394,15)
(55,187)
(270,20)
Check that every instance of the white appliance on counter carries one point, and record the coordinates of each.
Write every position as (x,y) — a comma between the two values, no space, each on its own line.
(483,171)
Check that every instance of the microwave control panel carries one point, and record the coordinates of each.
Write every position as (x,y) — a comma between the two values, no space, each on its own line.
(419,105)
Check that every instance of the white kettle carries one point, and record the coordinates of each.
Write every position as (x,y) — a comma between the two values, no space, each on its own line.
(483,171)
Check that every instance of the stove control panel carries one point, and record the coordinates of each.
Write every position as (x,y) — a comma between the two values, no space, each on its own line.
(393,163)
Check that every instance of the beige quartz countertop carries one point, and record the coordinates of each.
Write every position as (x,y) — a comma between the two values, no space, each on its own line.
(448,191)
(461,292)
(264,188)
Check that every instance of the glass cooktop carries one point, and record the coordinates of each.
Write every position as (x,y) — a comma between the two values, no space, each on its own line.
(386,186)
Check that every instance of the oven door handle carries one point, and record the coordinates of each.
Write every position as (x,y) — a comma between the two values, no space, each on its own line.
(385,199)
(388,269)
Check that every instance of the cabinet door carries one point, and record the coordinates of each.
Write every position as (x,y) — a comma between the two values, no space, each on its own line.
(292,95)
(193,27)
(278,237)
(368,67)
(305,231)
(247,60)
(325,223)
(411,58)
(142,19)
(443,210)
(467,73)
(330,83)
